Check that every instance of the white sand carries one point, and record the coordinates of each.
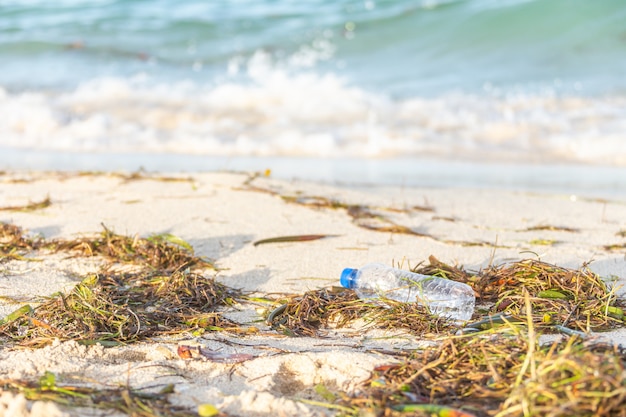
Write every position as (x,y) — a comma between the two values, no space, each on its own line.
(222,218)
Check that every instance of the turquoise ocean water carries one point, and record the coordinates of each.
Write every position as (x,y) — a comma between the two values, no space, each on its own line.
(512,93)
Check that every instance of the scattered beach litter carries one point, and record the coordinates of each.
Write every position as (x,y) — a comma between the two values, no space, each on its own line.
(151,308)
(491,366)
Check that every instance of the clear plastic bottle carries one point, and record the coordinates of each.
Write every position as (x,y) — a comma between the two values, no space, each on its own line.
(441,296)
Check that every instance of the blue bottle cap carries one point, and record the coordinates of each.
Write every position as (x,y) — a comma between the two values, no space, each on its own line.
(347,277)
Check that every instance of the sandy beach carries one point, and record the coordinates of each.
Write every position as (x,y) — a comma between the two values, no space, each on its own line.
(222,215)
(182,185)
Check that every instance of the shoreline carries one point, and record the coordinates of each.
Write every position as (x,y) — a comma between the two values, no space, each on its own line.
(221,215)
(563,177)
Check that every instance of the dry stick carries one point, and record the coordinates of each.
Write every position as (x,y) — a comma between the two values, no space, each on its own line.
(296,238)
(493,252)
(427,367)
(494,374)
(529,360)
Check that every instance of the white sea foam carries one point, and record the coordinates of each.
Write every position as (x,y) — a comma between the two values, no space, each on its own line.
(275,112)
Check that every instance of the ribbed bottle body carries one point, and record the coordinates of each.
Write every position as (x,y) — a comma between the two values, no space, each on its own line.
(441,296)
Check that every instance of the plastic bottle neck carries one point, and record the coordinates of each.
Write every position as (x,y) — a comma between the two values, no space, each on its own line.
(348,276)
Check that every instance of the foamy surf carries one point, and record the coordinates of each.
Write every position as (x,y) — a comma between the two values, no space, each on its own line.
(373,91)
(278,114)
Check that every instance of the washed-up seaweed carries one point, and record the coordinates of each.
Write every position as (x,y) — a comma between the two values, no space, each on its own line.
(498,374)
(164,292)
(162,251)
(15,244)
(122,400)
(316,311)
(125,307)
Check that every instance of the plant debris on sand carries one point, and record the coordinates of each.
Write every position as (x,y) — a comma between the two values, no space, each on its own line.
(559,296)
(310,313)
(32,206)
(502,373)
(499,369)
(164,251)
(124,400)
(14,244)
(305,315)
(125,307)
(162,294)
